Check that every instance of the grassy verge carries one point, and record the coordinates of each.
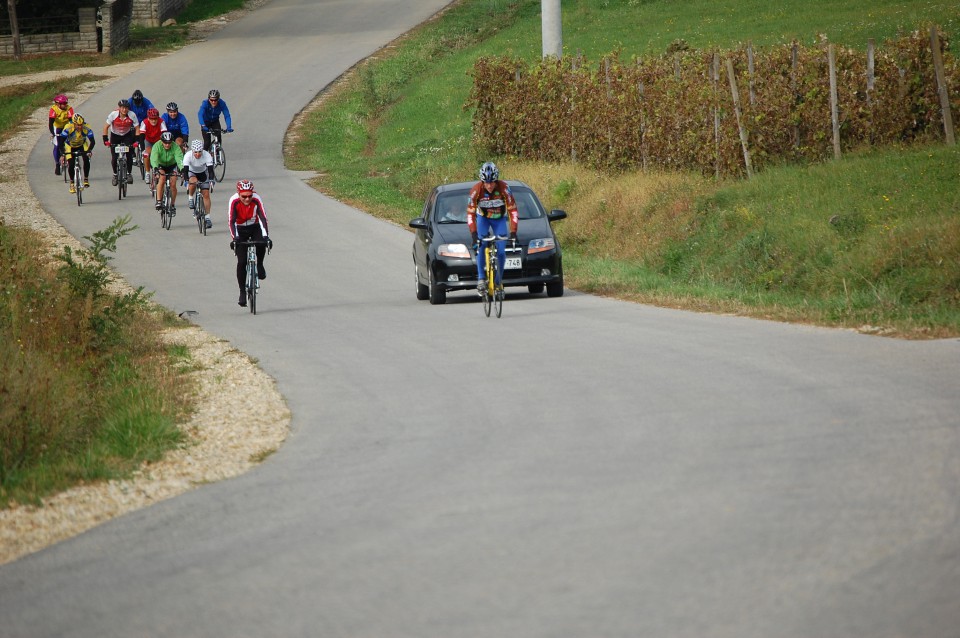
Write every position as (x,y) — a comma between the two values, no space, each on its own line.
(89,390)
(868,240)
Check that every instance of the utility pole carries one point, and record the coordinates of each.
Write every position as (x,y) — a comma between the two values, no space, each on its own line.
(14,28)
(552,27)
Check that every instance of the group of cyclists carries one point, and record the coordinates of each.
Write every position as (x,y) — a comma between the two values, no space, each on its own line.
(167,153)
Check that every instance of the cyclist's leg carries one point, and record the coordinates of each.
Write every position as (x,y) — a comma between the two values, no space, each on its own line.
(206,139)
(205,185)
(500,229)
(147,147)
(483,229)
(114,141)
(241,251)
(71,159)
(161,180)
(174,175)
(86,166)
(129,139)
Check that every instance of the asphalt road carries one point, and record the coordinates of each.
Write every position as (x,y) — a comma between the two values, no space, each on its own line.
(580,467)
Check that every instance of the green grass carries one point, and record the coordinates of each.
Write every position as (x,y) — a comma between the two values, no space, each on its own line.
(90,391)
(766,247)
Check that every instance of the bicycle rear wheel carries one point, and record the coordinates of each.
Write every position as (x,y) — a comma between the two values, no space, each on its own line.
(199,209)
(220,164)
(121,177)
(143,169)
(252,285)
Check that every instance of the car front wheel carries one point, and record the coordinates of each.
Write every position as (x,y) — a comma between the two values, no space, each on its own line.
(423,292)
(438,295)
(555,289)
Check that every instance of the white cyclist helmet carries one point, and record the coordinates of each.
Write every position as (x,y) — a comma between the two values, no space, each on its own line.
(196,146)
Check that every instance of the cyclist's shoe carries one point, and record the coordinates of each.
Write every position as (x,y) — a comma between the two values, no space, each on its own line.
(481,287)
(129,179)
(114,180)
(243,300)
(86,183)
(190,204)
(207,222)
(158,205)
(173,210)
(56,169)
(73,189)
(261,272)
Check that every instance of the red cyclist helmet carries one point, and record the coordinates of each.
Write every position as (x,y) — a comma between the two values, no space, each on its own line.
(153,113)
(60,100)
(244,185)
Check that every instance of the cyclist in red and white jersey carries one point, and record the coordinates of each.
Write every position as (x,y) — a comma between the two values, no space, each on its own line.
(150,131)
(247,219)
(122,126)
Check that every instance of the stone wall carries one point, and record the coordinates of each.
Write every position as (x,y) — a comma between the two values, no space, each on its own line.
(84,40)
(153,13)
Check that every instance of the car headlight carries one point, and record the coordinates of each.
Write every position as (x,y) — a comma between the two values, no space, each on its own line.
(540,245)
(460,251)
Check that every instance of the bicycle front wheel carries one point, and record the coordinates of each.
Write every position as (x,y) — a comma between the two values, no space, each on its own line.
(143,169)
(220,164)
(498,300)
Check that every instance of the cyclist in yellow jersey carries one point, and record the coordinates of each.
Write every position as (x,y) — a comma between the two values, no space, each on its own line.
(59,116)
(77,138)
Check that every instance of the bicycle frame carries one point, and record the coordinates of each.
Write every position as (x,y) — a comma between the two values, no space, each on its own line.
(493,293)
(253,282)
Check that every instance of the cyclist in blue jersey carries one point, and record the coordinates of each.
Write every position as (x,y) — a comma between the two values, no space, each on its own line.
(209,116)
(177,124)
(140,105)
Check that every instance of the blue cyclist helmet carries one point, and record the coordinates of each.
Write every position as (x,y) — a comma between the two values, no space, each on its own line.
(489,172)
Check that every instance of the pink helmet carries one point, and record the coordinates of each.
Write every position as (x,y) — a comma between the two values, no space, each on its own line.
(60,99)
(153,113)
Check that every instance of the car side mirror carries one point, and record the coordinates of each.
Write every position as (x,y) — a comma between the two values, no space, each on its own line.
(418,223)
(556,215)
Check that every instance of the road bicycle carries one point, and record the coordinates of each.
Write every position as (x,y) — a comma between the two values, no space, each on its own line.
(166,200)
(138,161)
(200,208)
(253,282)
(121,151)
(77,174)
(218,154)
(492,293)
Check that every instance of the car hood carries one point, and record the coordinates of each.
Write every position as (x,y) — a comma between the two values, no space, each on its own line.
(528,230)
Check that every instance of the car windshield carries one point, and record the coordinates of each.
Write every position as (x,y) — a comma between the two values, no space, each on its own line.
(451,207)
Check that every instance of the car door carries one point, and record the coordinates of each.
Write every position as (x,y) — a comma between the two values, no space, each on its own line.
(423,236)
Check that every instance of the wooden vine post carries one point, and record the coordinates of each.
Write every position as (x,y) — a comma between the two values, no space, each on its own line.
(942,89)
(737,110)
(834,107)
(715,76)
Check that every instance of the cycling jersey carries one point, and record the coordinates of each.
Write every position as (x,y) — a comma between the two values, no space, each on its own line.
(161,157)
(240,215)
(178,125)
(209,115)
(122,124)
(202,165)
(491,205)
(151,131)
(140,110)
(77,137)
(59,117)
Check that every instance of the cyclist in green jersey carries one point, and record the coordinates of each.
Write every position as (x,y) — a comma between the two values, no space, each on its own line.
(167,158)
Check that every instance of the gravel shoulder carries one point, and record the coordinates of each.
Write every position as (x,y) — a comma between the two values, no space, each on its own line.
(221,441)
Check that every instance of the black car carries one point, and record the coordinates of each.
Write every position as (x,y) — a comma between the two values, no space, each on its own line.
(443,255)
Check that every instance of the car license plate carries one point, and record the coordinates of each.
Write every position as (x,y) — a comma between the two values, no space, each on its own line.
(121,149)
(513,263)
